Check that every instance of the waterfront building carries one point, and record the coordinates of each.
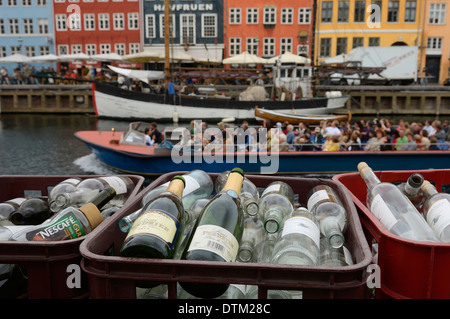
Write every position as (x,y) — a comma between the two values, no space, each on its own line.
(196,28)
(269,28)
(342,25)
(436,40)
(97,27)
(26,27)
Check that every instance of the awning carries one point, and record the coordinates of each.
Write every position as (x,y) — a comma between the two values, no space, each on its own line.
(141,75)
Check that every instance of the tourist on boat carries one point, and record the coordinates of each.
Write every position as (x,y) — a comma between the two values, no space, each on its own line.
(148,140)
(375,144)
(422,141)
(332,127)
(433,144)
(428,127)
(154,133)
(354,144)
(317,139)
(331,143)
(4,78)
(410,144)
(401,139)
(387,145)
(304,143)
(290,136)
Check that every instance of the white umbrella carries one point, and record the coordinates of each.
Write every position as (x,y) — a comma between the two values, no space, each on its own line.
(244,58)
(144,56)
(107,57)
(289,57)
(74,57)
(16,58)
(45,58)
(181,56)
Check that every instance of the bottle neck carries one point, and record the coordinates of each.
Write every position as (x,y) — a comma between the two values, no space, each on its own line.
(369,177)
(176,187)
(332,232)
(234,182)
(428,189)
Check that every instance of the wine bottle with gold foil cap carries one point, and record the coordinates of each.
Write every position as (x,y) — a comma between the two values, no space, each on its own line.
(155,232)
(69,223)
(217,234)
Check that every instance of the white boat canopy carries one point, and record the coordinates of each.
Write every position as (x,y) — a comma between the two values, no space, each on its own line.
(141,75)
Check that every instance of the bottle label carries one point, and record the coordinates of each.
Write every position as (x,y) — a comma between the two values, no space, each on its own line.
(304,226)
(117,183)
(215,239)
(271,188)
(67,227)
(438,216)
(159,224)
(317,197)
(17,201)
(381,210)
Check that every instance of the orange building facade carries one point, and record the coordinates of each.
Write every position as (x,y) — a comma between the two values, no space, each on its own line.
(268,28)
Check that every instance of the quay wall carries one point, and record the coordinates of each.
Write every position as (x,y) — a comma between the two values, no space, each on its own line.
(364,100)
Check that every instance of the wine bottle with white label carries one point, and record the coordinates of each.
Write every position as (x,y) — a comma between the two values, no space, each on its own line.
(330,213)
(393,209)
(436,211)
(88,188)
(299,242)
(155,232)
(217,234)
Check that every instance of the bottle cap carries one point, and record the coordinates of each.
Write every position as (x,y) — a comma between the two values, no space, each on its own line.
(180,178)
(362,165)
(93,214)
(426,185)
(237,170)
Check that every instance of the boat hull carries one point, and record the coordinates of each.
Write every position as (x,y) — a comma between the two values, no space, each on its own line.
(144,161)
(297,119)
(113,102)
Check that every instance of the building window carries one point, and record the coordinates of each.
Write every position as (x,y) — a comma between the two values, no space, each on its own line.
(2,52)
(270,15)
(434,43)
(12,3)
(269,47)
(44,50)
(41,2)
(15,49)
(105,48)
(76,49)
(325,47)
(60,22)
(187,28)
(63,49)
(209,25)
(74,21)
(134,48)
(235,46)
(393,7)
(304,15)
(162,26)
(358,42)
(2,26)
(327,11)
(410,11)
(89,21)
(118,21)
(252,16)
(119,48)
(287,15)
(341,46)
(133,21)
(285,45)
(26,3)
(360,11)
(343,11)
(437,13)
(42,25)
(13,26)
(235,16)
(91,49)
(30,51)
(150,27)
(303,50)
(103,21)
(252,46)
(374,42)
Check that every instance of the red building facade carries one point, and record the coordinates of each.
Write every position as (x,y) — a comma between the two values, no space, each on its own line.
(268,28)
(97,26)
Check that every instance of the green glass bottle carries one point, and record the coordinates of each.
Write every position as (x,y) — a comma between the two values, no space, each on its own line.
(155,232)
(217,234)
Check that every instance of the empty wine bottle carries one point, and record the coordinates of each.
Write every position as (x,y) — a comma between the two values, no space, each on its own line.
(275,204)
(32,211)
(9,206)
(69,223)
(66,186)
(393,209)
(325,205)
(252,236)
(217,234)
(299,243)
(155,232)
(88,188)
(411,189)
(330,256)
(436,211)
(249,193)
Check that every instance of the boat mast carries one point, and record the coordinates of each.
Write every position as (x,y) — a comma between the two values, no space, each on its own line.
(167,42)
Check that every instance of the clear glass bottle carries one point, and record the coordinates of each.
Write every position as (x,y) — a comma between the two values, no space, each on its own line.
(299,242)
(393,209)
(436,211)
(253,236)
(9,206)
(411,189)
(69,223)
(7,231)
(327,208)
(155,232)
(66,186)
(276,202)
(32,211)
(217,234)
(89,187)
(330,256)
(249,193)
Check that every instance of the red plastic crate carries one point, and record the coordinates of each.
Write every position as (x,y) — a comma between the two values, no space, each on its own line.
(113,276)
(408,269)
(46,262)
